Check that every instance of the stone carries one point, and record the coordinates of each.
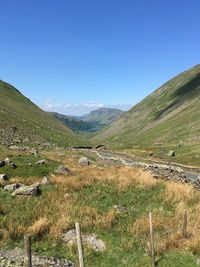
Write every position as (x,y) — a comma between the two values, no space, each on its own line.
(2,163)
(30,164)
(84,161)
(62,170)
(121,209)
(3,177)
(41,162)
(27,191)
(171,153)
(16,148)
(45,181)
(91,240)
(15,258)
(12,187)
(198,262)
(13,165)
(7,161)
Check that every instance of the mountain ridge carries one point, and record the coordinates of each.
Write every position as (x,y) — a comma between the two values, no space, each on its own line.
(91,122)
(21,119)
(169,115)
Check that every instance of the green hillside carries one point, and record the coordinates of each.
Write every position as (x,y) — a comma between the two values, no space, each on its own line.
(168,118)
(21,121)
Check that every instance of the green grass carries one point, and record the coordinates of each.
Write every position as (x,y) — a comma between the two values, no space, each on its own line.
(170,115)
(122,247)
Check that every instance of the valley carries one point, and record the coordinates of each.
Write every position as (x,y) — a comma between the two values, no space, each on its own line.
(109,180)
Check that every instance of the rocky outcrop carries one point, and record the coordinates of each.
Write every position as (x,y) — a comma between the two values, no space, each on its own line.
(91,240)
(3,177)
(15,258)
(62,170)
(159,170)
(84,161)
(12,187)
(27,191)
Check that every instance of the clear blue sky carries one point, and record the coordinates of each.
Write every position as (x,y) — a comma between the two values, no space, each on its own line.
(70,55)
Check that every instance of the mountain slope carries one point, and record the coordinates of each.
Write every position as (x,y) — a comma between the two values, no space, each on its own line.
(91,122)
(104,116)
(23,121)
(73,123)
(170,115)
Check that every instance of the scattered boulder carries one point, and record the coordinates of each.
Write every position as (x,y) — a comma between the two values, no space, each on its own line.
(62,170)
(91,240)
(29,164)
(7,161)
(41,162)
(172,153)
(45,181)
(12,187)
(27,191)
(18,148)
(121,209)
(84,161)
(3,177)
(15,258)
(2,163)
(198,261)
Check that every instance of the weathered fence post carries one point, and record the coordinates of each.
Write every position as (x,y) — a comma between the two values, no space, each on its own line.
(27,251)
(79,243)
(185,222)
(153,264)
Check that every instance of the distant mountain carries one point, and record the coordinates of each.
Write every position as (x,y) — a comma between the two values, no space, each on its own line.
(91,122)
(73,122)
(21,121)
(169,116)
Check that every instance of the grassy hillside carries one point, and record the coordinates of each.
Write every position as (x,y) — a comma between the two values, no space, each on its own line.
(22,121)
(89,195)
(104,116)
(169,117)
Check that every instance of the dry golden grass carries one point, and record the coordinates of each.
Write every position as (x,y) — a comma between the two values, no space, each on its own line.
(177,192)
(120,176)
(39,227)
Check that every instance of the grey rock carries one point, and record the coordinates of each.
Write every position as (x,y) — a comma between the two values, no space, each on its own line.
(62,170)
(41,162)
(27,191)
(7,161)
(121,209)
(12,187)
(17,148)
(84,161)
(15,258)
(91,240)
(171,153)
(45,181)
(3,177)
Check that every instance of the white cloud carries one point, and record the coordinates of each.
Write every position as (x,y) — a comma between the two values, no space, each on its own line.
(77,109)
(70,108)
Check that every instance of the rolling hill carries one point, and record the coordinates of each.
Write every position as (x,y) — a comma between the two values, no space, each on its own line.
(91,122)
(168,118)
(21,121)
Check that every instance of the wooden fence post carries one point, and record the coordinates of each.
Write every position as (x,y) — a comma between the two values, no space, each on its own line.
(153,264)
(79,244)
(185,222)
(27,251)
